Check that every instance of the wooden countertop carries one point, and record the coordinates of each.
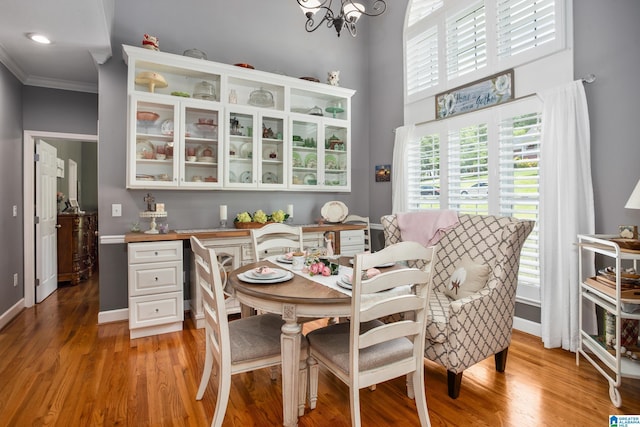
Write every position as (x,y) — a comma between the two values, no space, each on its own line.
(225,233)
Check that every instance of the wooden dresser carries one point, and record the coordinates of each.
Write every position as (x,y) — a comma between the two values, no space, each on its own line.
(77,246)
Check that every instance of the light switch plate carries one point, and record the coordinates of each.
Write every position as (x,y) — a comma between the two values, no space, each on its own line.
(116,209)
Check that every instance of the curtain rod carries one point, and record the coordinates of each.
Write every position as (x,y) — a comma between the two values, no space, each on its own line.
(590,78)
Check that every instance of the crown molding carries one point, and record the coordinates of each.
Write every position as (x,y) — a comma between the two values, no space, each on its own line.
(12,65)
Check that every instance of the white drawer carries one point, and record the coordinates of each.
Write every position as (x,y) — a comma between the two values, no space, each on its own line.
(351,235)
(351,249)
(155,252)
(151,310)
(154,278)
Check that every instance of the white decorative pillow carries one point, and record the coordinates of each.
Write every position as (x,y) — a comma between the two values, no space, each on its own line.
(468,278)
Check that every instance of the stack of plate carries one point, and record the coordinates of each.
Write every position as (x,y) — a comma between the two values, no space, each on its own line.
(273,275)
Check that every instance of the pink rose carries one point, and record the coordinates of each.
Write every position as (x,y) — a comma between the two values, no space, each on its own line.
(326,271)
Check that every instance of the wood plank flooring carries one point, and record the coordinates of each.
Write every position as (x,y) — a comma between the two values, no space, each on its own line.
(58,367)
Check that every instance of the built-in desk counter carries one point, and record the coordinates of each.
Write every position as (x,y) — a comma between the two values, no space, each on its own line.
(226,233)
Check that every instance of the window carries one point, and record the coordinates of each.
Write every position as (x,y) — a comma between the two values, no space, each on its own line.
(424,173)
(422,60)
(422,8)
(484,163)
(519,151)
(524,25)
(448,44)
(468,170)
(466,41)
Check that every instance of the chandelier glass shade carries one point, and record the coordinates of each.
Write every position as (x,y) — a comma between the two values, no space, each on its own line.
(320,11)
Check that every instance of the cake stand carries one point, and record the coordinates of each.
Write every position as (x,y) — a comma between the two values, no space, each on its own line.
(153,215)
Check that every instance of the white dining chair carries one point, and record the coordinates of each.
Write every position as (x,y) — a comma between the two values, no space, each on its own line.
(367,351)
(238,346)
(364,220)
(276,235)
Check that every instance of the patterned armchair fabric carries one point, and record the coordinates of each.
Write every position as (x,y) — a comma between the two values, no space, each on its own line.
(464,332)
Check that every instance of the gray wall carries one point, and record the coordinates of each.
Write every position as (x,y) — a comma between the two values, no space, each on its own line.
(10,176)
(55,110)
(607,44)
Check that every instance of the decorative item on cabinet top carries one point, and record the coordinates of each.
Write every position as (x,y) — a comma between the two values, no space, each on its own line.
(151,79)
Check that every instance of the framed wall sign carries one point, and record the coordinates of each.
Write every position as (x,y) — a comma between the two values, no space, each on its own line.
(492,90)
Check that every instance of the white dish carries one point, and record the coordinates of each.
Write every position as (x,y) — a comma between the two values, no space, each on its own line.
(385,265)
(284,260)
(310,179)
(344,284)
(206,159)
(167,127)
(334,211)
(276,273)
(245,177)
(245,278)
(246,150)
(346,279)
(269,178)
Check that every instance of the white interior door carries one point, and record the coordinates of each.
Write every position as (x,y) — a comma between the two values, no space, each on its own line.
(46,230)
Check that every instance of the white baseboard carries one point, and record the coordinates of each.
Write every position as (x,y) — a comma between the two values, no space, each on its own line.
(527,326)
(113,316)
(8,315)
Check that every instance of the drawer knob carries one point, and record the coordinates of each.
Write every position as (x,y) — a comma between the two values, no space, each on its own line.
(157,310)
(156,253)
(155,278)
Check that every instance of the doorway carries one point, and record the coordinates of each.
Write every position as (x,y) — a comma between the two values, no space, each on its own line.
(30,202)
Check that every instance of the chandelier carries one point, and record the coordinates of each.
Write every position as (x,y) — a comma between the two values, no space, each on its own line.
(347,17)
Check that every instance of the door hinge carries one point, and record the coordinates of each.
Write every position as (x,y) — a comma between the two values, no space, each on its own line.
(36,220)
(36,157)
(37,282)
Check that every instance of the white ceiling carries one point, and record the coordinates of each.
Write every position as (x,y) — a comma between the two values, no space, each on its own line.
(80,31)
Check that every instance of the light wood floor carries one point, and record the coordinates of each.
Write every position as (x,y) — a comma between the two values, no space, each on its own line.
(58,367)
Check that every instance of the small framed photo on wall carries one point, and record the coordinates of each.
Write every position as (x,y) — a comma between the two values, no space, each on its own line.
(383,173)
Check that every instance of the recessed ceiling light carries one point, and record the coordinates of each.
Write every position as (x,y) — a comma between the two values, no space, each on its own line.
(39,38)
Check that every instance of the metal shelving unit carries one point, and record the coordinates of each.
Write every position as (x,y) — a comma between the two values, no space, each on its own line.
(608,360)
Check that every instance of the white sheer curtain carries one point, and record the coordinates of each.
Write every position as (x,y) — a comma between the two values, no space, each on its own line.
(566,208)
(399,179)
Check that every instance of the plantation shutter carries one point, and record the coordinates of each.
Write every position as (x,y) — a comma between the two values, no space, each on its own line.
(422,61)
(519,151)
(468,160)
(424,173)
(466,43)
(524,25)
(422,8)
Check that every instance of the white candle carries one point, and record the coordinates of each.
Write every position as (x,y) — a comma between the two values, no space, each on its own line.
(223,212)
(290,210)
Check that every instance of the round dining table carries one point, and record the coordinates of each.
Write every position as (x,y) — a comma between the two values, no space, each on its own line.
(296,300)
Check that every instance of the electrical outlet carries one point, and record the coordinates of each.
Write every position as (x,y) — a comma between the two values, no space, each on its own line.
(116,209)
(15,279)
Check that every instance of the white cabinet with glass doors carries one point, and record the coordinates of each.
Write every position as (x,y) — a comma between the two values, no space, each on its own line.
(177,143)
(319,158)
(197,124)
(255,150)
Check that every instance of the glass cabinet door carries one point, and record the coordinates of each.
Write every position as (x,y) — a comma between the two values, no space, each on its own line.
(152,164)
(201,163)
(273,153)
(336,159)
(304,153)
(241,148)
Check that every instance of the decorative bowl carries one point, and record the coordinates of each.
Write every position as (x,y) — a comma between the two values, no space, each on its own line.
(632,244)
(147,116)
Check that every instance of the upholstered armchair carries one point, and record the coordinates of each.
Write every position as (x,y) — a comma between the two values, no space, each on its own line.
(463,332)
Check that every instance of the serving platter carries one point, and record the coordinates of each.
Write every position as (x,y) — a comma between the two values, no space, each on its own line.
(334,211)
